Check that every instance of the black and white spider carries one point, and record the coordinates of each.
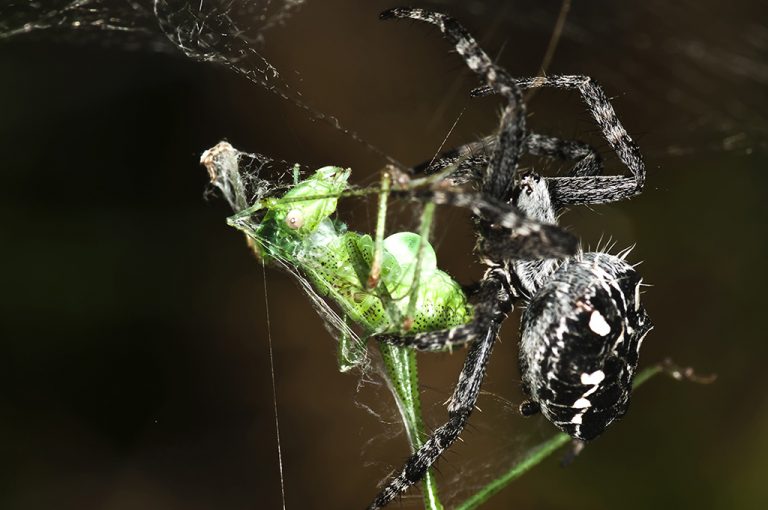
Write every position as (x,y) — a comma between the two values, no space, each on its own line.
(583,323)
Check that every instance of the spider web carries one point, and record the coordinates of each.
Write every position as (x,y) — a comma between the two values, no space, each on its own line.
(144,22)
(220,31)
(224,32)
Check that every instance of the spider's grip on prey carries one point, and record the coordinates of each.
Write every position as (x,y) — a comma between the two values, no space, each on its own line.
(584,323)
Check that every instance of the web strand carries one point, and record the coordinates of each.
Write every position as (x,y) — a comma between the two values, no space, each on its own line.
(274,386)
(554,41)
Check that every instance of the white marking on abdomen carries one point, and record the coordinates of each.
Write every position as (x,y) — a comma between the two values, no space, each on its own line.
(598,324)
(592,379)
(582,403)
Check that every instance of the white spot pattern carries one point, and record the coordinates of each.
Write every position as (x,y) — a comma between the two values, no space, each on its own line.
(593,378)
(598,324)
(582,403)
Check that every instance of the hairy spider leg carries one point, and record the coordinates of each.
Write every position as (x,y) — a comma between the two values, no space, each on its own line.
(500,173)
(588,160)
(511,228)
(494,305)
(591,189)
(470,158)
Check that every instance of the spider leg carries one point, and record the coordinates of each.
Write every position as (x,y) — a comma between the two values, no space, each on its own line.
(529,408)
(492,290)
(588,160)
(511,229)
(483,331)
(469,158)
(498,178)
(499,175)
(584,189)
(528,239)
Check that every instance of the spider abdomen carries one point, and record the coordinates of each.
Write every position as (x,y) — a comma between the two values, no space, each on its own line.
(580,340)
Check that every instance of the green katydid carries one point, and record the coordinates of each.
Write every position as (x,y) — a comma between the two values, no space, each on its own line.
(382,285)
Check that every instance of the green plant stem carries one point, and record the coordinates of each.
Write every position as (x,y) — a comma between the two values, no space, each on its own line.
(536,455)
(403,376)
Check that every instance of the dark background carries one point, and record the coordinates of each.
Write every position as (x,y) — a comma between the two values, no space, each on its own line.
(134,370)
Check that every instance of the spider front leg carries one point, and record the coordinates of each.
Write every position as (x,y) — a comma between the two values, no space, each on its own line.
(495,305)
(471,158)
(499,175)
(591,189)
(509,226)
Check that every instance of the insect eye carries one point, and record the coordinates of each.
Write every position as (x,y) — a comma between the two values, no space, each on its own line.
(294,219)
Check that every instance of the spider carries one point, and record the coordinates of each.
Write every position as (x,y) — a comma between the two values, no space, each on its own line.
(583,322)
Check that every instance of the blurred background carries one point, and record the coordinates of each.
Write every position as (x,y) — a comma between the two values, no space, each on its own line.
(135,368)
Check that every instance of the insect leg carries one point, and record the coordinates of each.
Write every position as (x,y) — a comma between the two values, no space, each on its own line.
(425,228)
(381,218)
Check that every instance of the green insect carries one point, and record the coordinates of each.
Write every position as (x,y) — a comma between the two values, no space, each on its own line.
(382,285)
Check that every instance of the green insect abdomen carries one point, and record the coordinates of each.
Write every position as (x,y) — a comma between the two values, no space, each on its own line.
(440,301)
(338,265)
